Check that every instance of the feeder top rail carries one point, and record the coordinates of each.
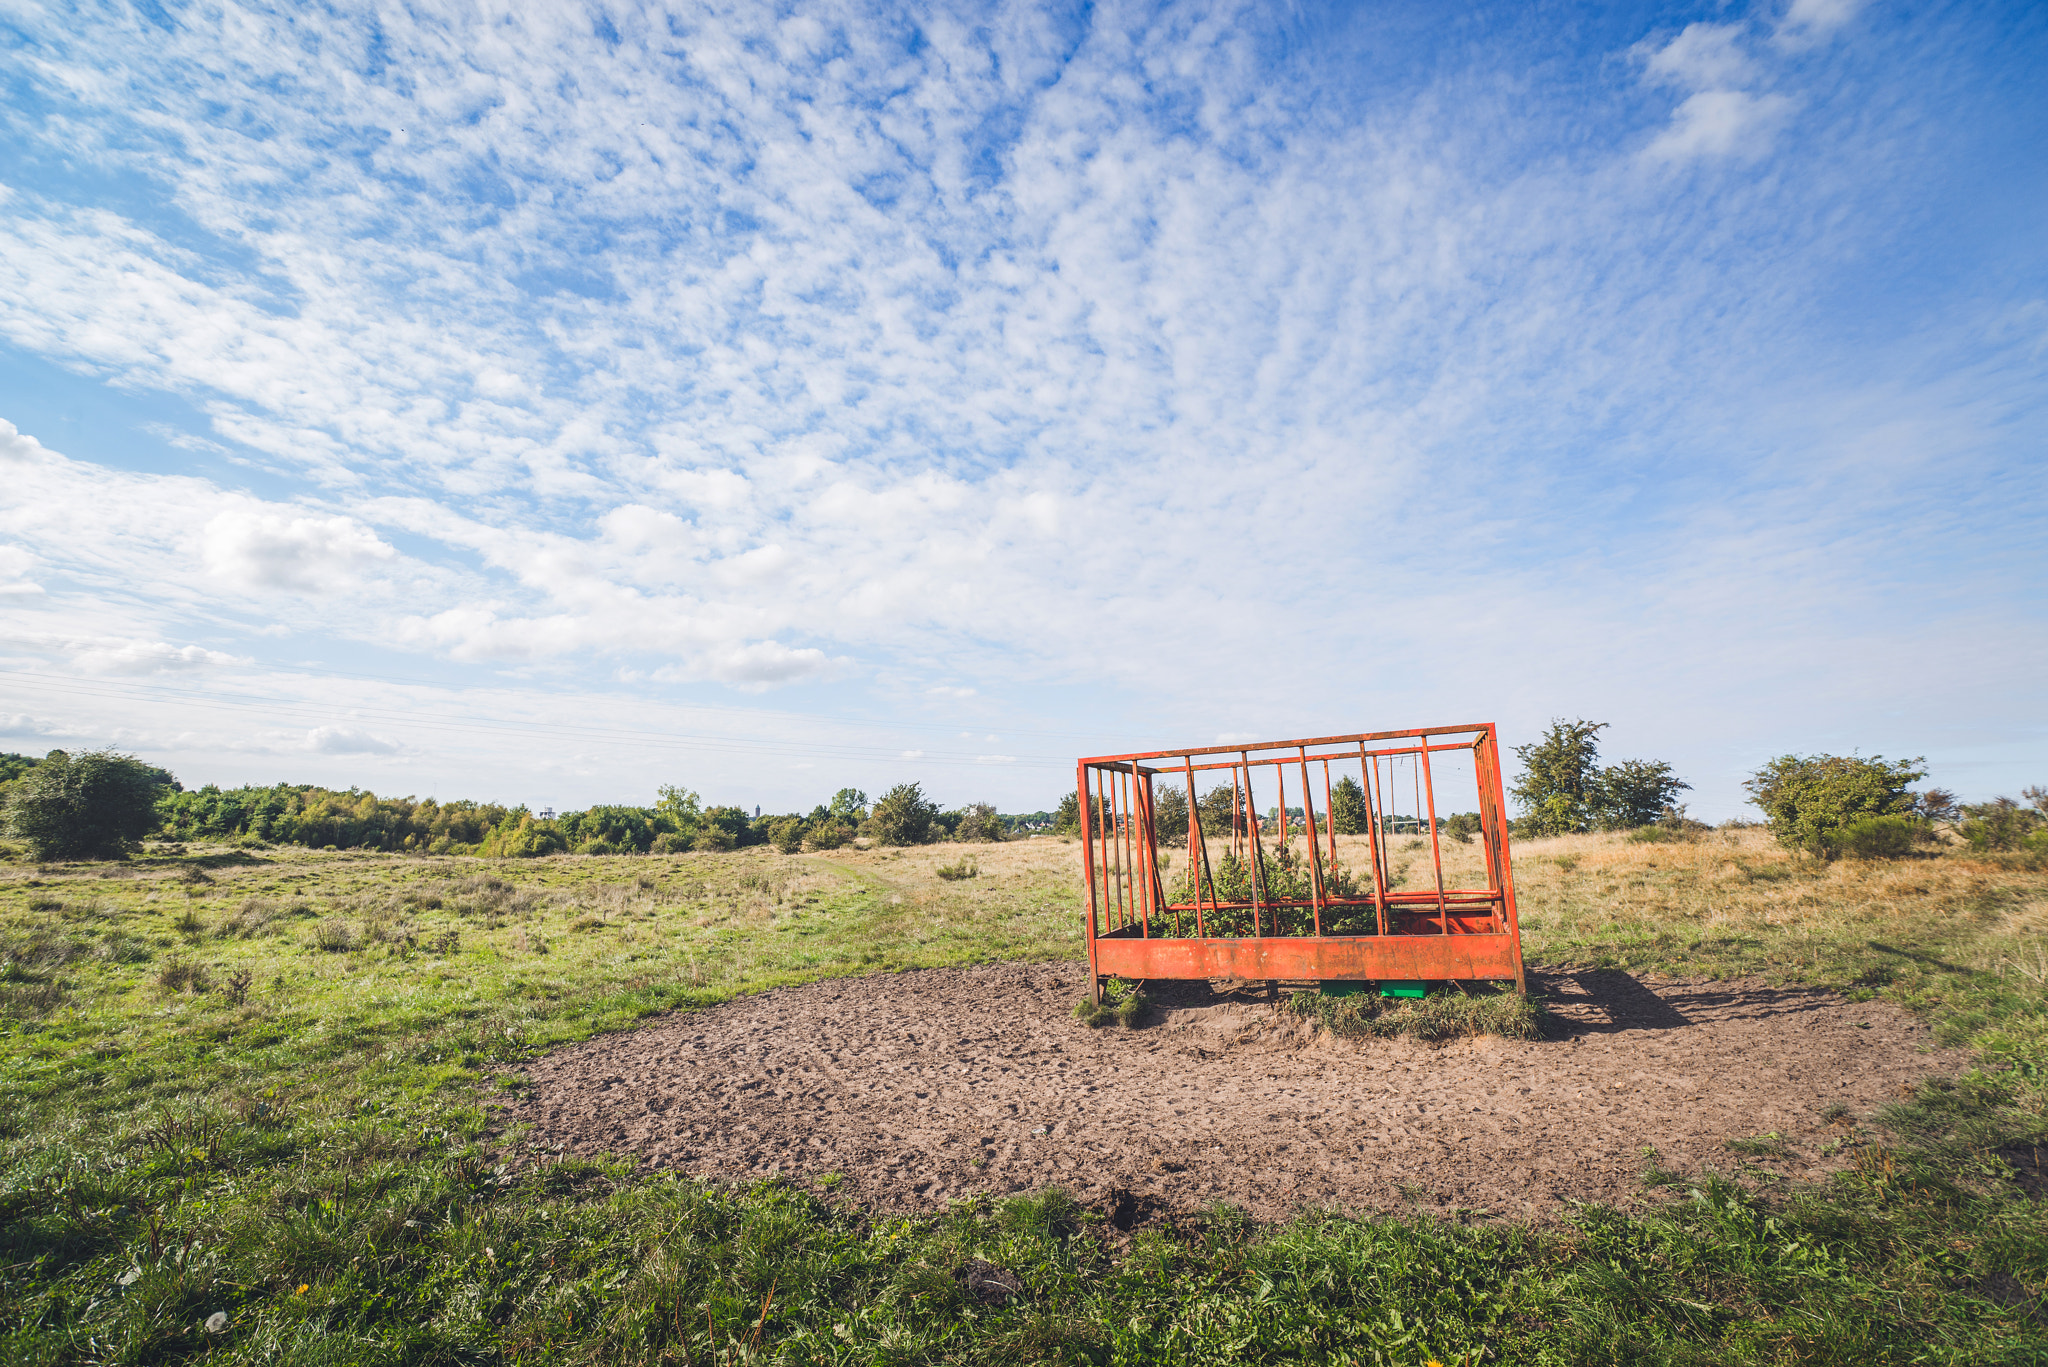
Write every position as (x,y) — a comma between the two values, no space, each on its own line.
(1477,730)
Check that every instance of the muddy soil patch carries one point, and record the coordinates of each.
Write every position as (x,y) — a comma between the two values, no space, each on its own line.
(921,1087)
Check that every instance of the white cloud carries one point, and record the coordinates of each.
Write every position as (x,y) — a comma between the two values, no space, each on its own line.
(1721,123)
(260,548)
(114,655)
(1808,22)
(1702,57)
(15,564)
(347,740)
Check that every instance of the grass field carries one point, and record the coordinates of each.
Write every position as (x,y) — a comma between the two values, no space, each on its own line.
(249,1085)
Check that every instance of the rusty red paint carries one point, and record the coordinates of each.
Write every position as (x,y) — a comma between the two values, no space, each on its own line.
(1136,929)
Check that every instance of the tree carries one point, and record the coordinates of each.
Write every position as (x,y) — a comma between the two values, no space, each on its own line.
(903,816)
(681,807)
(1637,792)
(95,805)
(1067,820)
(1560,785)
(1348,812)
(1563,789)
(849,805)
(979,822)
(1219,808)
(1808,799)
(2003,824)
(1170,816)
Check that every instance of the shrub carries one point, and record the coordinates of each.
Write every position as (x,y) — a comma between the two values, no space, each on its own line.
(670,842)
(828,834)
(1879,837)
(953,873)
(713,840)
(1808,799)
(979,823)
(519,836)
(95,805)
(2003,824)
(787,835)
(1460,827)
(1067,819)
(903,816)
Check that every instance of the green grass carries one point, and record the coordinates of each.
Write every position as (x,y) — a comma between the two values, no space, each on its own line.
(307,1161)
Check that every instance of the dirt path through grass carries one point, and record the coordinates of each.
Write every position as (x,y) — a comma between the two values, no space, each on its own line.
(919,1087)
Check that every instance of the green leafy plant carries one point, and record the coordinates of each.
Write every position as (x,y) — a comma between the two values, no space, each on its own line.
(1809,799)
(1564,790)
(94,805)
(903,816)
(951,873)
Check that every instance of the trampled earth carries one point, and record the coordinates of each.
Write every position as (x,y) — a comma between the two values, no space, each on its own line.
(917,1088)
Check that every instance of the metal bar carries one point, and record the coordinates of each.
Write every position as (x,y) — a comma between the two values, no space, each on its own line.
(1315,862)
(1329,808)
(1111,896)
(1367,770)
(1435,848)
(1289,759)
(1088,864)
(1245,750)
(1280,777)
(1196,844)
(1258,859)
(1487,751)
(1382,958)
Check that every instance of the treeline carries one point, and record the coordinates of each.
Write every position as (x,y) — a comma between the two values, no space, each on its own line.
(304,814)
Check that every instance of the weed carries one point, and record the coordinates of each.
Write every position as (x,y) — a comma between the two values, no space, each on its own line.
(1443,1015)
(187,922)
(179,976)
(953,873)
(336,936)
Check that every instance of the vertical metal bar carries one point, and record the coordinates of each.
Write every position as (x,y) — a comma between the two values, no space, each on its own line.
(1280,776)
(1110,895)
(1257,856)
(1436,853)
(1369,770)
(1160,901)
(1136,841)
(1088,863)
(1329,807)
(1490,794)
(1236,811)
(1116,830)
(1197,872)
(1315,859)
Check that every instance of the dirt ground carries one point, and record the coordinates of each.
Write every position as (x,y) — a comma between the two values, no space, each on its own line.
(923,1087)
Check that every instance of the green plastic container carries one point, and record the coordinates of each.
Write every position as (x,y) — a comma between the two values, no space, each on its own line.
(1408,990)
(1342,988)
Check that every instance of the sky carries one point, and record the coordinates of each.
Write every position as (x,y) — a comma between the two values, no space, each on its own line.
(544,403)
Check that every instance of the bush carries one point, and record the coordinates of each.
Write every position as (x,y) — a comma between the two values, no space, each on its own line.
(979,823)
(1809,799)
(2002,824)
(904,816)
(95,805)
(668,842)
(787,835)
(713,840)
(828,834)
(519,836)
(1460,827)
(1879,837)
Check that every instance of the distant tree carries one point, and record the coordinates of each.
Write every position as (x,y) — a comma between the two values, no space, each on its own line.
(849,805)
(903,816)
(1348,812)
(681,807)
(787,834)
(1560,785)
(730,823)
(521,836)
(1637,792)
(979,822)
(1808,799)
(1219,808)
(1170,816)
(1563,788)
(1461,826)
(94,805)
(1067,819)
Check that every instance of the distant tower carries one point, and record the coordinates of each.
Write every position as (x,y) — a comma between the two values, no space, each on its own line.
(547,814)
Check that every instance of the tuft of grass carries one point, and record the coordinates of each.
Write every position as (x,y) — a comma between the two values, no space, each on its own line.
(953,873)
(1442,1015)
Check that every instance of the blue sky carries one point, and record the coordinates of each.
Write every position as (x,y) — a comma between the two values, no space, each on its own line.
(546,403)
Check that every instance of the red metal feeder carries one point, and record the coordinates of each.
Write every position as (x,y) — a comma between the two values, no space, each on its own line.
(1265,903)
